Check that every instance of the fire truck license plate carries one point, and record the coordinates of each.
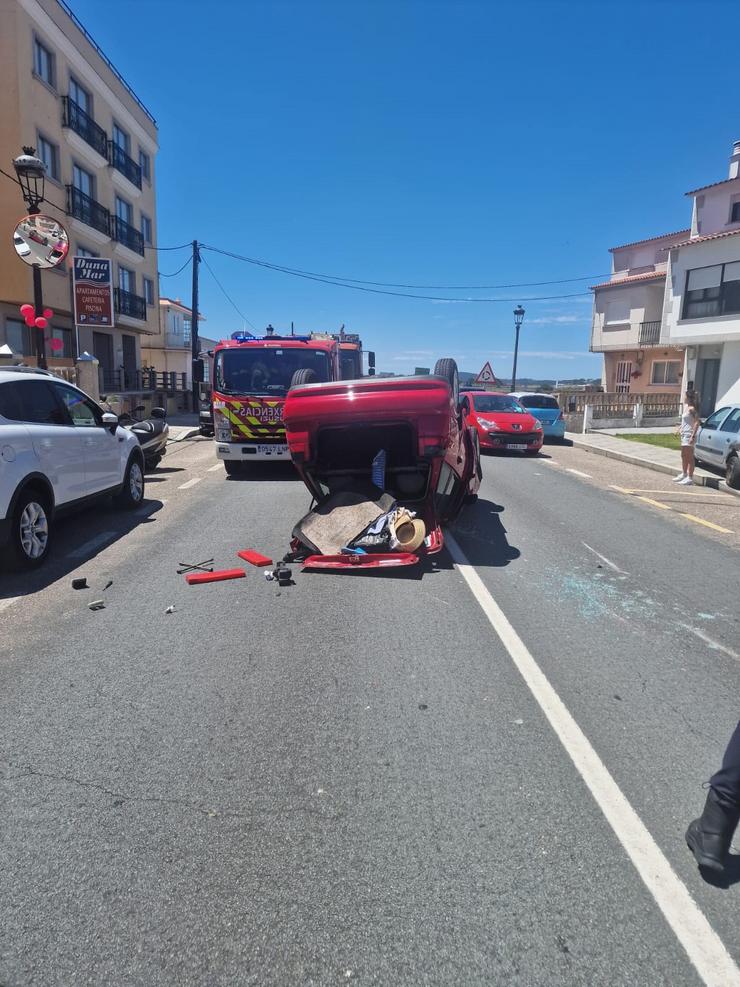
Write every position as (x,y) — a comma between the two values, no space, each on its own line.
(272,450)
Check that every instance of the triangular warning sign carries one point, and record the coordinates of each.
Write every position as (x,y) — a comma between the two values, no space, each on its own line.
(486,376)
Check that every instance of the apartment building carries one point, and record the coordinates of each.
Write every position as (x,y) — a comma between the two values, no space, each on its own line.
(169,351)
(702,305)
(62,96)
(627,323)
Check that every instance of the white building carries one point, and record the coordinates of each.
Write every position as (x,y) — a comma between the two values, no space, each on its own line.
(702,300)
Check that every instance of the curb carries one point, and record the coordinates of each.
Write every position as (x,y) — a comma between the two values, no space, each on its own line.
(188,433)
(704,480)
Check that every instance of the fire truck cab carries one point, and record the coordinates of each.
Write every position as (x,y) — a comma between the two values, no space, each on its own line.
(251,379)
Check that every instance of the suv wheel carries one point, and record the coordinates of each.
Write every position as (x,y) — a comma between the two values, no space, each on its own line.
(733,473)
(132,491)
(31,530)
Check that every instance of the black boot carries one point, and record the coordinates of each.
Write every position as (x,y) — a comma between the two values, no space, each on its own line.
(709,837)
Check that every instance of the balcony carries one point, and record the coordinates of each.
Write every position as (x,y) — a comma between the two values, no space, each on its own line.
(126,303)
(650,333)
(176,341)
(74,117)
(87,210)
(127,235)
(123,163)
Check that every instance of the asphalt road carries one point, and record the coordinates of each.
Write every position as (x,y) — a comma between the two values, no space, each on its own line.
(350,780)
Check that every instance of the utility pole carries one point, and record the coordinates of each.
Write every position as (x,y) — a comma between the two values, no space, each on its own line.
(194,340)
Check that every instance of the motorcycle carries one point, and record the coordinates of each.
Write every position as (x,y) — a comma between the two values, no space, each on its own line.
(152,433)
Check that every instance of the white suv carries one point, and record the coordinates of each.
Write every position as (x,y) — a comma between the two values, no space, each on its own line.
(58,451)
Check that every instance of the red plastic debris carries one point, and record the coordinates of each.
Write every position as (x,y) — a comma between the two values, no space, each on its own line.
(376,560)
(215,577)
(254,557)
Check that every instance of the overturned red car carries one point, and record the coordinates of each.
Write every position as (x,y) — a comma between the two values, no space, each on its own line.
(432,464)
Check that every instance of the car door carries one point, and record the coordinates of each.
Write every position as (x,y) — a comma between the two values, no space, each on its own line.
(707,439)
(729,432)
(102,449)
(56,442)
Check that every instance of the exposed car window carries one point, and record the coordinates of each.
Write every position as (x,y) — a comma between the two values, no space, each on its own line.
(266,370)
(732,422)
(497,402)
(81,410)
(538,401)
(31,401)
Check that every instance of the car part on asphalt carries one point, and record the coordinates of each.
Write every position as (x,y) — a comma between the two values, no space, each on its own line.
(96,605)
(214,577)
(255,558)
(170,608)
(283,575)
(204,566)
(80,582)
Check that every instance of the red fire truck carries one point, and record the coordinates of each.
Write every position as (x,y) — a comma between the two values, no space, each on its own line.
(251,378)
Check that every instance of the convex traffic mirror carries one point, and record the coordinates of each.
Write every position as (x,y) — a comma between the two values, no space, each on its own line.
(41,241)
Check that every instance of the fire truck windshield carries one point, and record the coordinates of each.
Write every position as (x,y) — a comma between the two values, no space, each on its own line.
(265,370)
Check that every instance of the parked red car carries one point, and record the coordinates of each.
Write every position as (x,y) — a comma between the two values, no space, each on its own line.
(335,429)
(503,423)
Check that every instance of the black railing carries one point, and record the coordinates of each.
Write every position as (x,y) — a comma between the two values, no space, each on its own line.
(650,333)
(87,210)
(128,235)
(74,117)
(115,381)
(123,163)
(127,303)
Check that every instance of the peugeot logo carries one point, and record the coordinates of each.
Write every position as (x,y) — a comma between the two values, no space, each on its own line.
(517,427)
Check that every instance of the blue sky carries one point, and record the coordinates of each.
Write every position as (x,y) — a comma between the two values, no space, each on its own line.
(425,143)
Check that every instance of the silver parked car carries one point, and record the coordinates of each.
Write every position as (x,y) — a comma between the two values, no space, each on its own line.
(718,443)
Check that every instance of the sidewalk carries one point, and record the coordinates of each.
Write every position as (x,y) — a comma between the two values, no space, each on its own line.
(638,454)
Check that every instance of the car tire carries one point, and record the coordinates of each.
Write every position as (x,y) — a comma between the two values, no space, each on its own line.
(234,467)
(131,494)
(447,368)
(733,473)
(30,534)
(304,376)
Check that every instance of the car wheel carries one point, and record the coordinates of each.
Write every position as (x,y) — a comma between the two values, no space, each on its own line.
(447,368)
(30,531)
(733,473)
(304,376)
(233,467)
(132,491)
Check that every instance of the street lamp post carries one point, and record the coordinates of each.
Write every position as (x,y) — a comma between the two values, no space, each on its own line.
(518,318)
(31,172)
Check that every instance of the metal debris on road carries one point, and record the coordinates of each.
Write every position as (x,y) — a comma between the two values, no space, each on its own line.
(79,582)
(170,608)
(96,605)
(205,566)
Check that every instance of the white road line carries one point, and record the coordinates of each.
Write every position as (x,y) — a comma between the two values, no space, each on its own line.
(212,469)
(715,645)
(568,469)
(550,462)
(703,946)
(605,560)
(91,546)
(190,483)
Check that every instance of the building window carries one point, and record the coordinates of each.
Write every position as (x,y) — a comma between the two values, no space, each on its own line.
(49,154)
(735,213)
(126,280)
(83,181)
(43,62)
(146,165)
(618,311)
(665,372)
(79,95)
(187,329)
(712,291)
(149,291)
(146,228)
(124,210)
(84,252)
(18,337)
(121,138)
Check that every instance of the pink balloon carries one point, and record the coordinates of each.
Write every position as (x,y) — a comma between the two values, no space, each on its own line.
(27,310)
(41,322)
(30,321)
(56,344)
(48,313)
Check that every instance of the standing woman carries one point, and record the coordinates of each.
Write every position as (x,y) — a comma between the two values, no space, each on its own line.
(690,422)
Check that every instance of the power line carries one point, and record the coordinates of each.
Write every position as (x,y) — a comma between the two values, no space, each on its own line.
(225,293)
(188,261)
(378,291)
(150,246)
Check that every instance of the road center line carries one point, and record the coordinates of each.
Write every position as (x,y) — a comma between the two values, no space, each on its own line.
(212,469)
(655,503)
(569,469)
(190,483)
(703,946)
(90,546)
(550,462)
(605,560)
